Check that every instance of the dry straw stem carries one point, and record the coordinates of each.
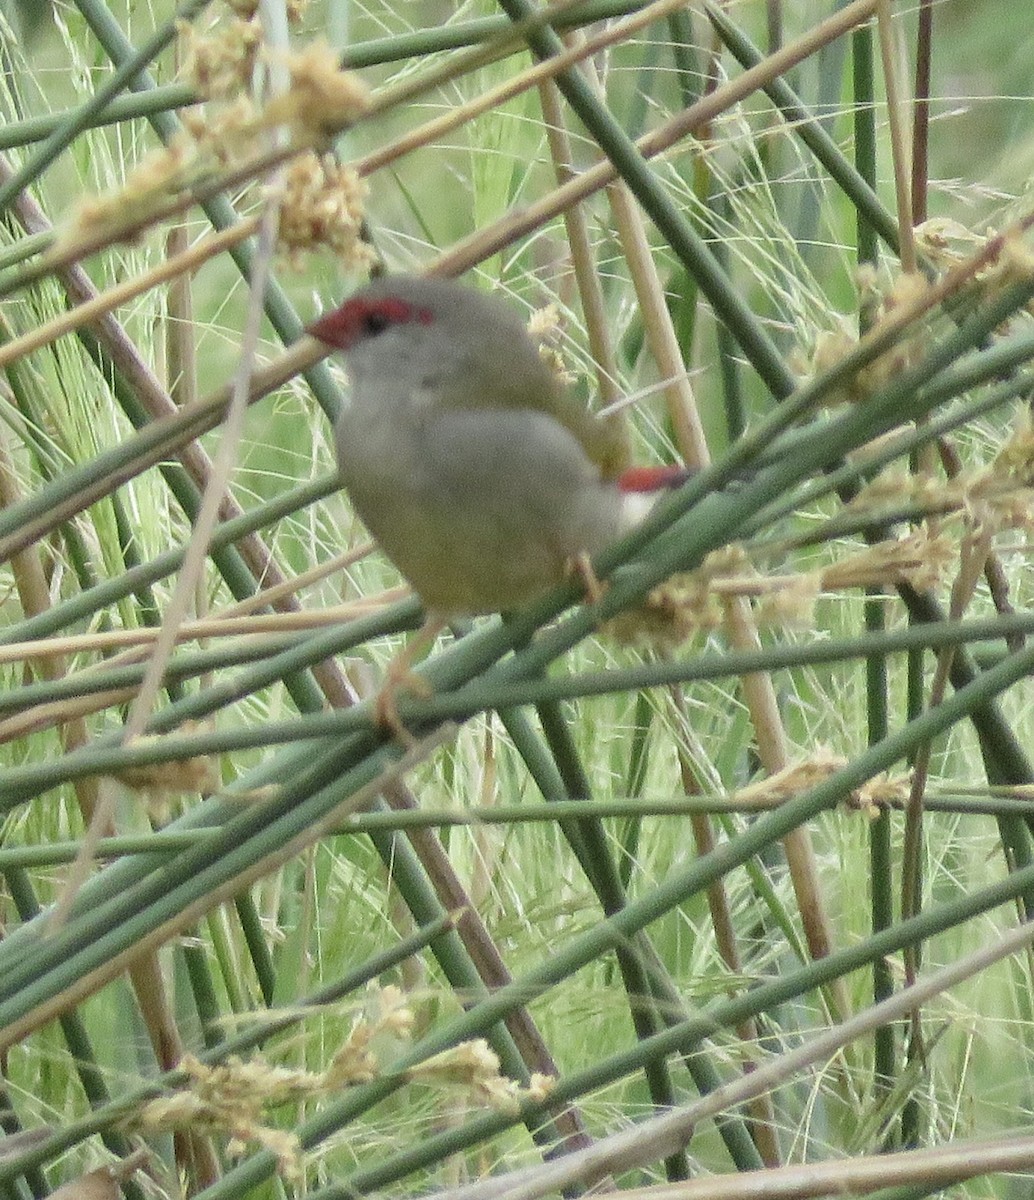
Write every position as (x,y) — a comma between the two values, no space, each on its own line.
(938,1165)
(179,428)
(895,117)
(308,138)
(583,257)
(101,1184)
(191,913)
(231,622)
(294,584)
(531,77)
(45,716)
(975,551)
(657,321)
(759,694)
(189,631)
(191,423)
(659,328)
(114,297)
(493,238)
(497,236)
(658,1137)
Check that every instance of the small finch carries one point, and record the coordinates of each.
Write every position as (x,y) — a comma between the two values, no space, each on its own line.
(480,476)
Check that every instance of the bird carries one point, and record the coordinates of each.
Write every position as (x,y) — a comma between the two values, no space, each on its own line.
(476,470)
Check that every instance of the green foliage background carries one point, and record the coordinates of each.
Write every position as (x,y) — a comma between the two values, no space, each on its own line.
(563,825)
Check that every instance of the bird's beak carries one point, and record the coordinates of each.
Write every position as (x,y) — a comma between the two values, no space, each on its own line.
(332,329)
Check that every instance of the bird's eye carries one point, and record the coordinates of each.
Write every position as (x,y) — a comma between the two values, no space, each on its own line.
(375,322)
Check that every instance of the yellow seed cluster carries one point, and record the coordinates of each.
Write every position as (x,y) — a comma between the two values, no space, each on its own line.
(322,209)
(473,1068)
(776,789)
(670,614)
(220,63)
(322,99)
(322,205)
(163,174)
(232,1098)
(199,774)
(696,601)
(544,328)
(920,558)
(945,243)
(226,133)
(879,793)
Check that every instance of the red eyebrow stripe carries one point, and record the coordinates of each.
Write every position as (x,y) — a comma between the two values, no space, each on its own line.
(342,327)
(652,479)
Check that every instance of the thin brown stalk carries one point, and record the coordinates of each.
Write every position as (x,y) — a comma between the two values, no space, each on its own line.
(659,1136)
(944,1165)
(670,361)
(975,550)
(921,113)
(483,243)
(90,983)
(583,261)
(172,268)
(295,583)
(658,327)
(533,76)
(45,716)
(211,627)
(895,118)
(761,1109)
(760,698)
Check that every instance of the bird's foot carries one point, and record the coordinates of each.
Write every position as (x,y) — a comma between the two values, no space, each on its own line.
(580,566)
(400,677)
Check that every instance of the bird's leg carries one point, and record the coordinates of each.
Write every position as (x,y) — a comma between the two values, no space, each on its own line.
(400,676)
(580,566)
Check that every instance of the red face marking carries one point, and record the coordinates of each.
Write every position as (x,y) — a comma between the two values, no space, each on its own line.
(361,317)
(652,479)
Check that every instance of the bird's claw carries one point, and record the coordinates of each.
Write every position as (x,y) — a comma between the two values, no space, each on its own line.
(399,678)
(580,567)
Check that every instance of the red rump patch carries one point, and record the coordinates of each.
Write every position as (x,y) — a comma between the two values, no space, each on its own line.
(652,479)
(358,318)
